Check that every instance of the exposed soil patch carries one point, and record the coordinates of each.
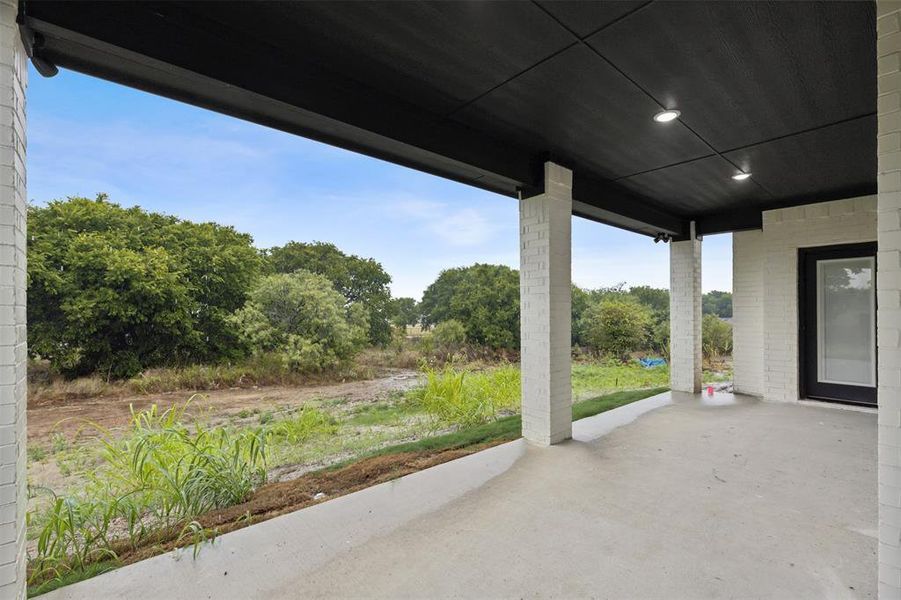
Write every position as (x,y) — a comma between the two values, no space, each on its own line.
(113,412)
(282,497)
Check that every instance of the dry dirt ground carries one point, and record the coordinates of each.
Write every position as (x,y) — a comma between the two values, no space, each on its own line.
(72,417)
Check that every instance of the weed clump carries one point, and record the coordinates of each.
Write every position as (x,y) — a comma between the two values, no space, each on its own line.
(460,397)
(161,474)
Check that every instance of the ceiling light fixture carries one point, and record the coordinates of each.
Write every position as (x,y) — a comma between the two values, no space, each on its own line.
(665,116)
(741,176)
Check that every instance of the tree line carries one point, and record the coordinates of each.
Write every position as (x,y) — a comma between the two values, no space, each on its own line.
(118,290)
(616,320)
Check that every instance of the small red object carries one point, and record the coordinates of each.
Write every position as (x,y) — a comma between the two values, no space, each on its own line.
(709,390)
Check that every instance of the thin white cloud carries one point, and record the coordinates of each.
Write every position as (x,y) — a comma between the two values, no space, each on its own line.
(417,208)
(459,227)
(467,227)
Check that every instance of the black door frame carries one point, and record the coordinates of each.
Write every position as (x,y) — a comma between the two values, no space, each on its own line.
(807,355)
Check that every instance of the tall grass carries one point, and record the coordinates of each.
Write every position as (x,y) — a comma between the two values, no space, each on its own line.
(460,397)
(160,474)
(266,369)
(301,426)
(181,472)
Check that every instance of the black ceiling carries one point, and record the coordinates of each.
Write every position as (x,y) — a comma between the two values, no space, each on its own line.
(484,92)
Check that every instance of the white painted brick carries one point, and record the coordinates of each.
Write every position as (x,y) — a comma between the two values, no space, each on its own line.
(888,281)
(545,308)
(13,74)
(685,316)
(747,309)
(765,287)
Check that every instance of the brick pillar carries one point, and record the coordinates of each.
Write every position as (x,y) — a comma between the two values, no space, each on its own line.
(748,257)
(888,282)
(13,80)
(545,291)
(685,315)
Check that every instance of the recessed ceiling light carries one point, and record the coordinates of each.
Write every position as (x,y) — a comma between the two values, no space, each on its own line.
(741,176)
(665,116)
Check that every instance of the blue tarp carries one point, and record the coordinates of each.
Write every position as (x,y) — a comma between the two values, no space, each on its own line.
(649,363)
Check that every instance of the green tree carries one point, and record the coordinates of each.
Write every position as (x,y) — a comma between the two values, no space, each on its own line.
(616,325)
(581,300)
(657,299)
(361,281)
(717,303)
(404,311)
(716,336)
(484,298)
(303,318)
(117,290)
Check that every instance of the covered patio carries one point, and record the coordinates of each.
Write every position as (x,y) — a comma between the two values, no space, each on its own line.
(675,496)
(780,122)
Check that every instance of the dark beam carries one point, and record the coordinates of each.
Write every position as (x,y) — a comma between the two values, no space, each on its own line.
(625,207)
(208,64)
(727,222)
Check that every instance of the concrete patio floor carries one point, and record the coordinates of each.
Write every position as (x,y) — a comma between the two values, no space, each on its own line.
(672,497)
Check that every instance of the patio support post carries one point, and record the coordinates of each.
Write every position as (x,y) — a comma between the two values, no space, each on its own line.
(545,291)
(888,287)
(13,80)
(685,314)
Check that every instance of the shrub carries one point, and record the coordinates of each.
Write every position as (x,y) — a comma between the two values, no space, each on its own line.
(581,299)
(716,336)
(362,281)
(458,397)
(445,343)
(616,325)
(484,298)
(660,332)
(448,338)
(303,318)
(117,290)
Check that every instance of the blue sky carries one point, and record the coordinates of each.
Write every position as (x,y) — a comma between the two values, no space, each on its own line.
(88,136)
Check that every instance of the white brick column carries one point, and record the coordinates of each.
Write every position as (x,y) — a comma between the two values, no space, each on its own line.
(13,80)
(685,315)
(545,292)
(748,252)
(888,282)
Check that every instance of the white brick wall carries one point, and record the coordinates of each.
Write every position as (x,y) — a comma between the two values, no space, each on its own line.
(784,231)
(13,80)
(765,267)
(747,311)
(685,316)
(888,282)
(545,225)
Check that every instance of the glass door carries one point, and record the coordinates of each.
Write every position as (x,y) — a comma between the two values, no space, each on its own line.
(838,323)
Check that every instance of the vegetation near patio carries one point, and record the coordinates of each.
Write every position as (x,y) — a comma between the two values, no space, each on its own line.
(306,378)
(161,484)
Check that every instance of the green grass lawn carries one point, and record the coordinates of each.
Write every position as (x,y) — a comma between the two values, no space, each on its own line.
(509,428)
(593,378)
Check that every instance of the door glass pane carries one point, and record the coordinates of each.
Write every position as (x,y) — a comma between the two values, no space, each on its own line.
(846,321)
